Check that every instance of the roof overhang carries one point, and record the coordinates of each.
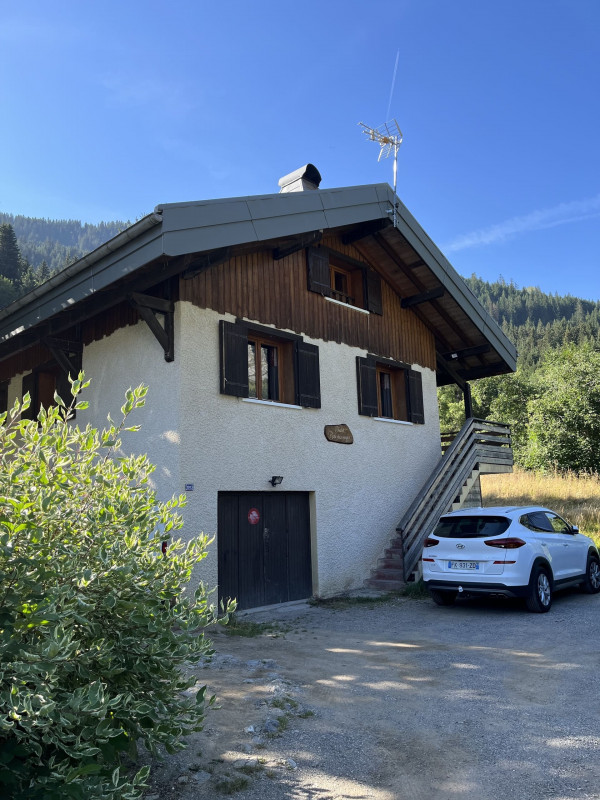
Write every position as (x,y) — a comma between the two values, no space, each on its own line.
(469,342)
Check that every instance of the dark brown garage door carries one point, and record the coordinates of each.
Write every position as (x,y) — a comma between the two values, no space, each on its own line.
(264,547)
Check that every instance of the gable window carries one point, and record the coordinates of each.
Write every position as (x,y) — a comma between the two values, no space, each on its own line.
(272,366)
(344,279)
(389,390)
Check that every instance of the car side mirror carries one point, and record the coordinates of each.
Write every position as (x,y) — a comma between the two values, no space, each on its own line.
(574,529)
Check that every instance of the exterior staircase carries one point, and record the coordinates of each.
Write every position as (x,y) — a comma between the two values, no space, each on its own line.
(479,448)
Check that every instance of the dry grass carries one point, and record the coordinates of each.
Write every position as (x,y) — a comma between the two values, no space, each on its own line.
(577,498)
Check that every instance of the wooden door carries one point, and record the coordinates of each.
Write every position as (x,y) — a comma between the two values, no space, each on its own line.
(264,547)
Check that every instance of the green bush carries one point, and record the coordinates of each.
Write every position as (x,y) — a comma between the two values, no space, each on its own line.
(96,624)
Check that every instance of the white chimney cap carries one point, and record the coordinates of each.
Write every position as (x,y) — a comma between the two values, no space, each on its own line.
(301,180)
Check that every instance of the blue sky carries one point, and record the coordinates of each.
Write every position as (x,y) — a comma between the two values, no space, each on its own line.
(111,108)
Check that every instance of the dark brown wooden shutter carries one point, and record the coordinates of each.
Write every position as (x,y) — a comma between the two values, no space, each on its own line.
(415,392)
(308,382)
(366,375)
(374,302)
(29,384)
(317,260)
(233,340)
(3,396)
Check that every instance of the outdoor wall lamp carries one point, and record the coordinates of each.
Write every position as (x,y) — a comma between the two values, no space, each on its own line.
(276,480)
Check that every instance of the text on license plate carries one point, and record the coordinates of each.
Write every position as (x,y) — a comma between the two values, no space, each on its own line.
(463,565)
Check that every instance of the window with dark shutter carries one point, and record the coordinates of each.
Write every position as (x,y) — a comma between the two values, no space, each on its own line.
(345,279)
(319,279)
(366,375)
(415,389)
(389,390)
(374,301)
(308,382)
(234,358)
(261,363)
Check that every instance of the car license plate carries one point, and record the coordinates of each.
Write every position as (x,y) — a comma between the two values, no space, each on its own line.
(463,565)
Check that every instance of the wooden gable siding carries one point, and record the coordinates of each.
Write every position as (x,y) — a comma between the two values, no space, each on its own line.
(256,287)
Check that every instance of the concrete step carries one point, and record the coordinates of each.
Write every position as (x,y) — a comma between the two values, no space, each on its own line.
(385,585)
(394,551)
(388,573)
(395,562)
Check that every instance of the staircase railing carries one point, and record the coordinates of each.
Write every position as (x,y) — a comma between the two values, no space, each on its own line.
(479,444)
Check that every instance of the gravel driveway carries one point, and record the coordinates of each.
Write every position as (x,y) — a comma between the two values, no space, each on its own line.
(482,701)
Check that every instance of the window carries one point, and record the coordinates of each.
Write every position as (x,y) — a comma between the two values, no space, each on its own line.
(270,369)
(472,527)
(389,390)
(545,522)
(347,280)
(264,364)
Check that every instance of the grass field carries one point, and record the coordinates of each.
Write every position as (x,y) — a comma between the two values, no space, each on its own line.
(573,497)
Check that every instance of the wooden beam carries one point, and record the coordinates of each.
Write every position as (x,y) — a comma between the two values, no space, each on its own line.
(67,345)
(156,273)
(204,261)
(300,243)
(457,355)
(443,366)
(368,229)
(148,307)
(154,303)
(389,251)
(424,297)
(61,350)
(468,401)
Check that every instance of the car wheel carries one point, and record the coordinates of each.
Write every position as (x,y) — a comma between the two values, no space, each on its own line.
(539,598)
(591,584)
(442,598)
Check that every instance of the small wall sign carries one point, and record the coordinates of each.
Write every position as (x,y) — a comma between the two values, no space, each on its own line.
(189,487)
(253,516)
(340,434)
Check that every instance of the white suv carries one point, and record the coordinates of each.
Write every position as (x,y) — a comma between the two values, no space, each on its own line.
(516,552)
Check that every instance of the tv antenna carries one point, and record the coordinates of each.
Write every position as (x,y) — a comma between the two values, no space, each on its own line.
(389,138)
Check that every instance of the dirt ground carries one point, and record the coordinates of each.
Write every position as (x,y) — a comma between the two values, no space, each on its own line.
(402,699)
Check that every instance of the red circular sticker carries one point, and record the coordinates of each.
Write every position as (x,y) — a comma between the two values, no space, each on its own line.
(253,516)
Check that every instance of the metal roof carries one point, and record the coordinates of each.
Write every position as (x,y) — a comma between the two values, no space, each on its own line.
(470,343)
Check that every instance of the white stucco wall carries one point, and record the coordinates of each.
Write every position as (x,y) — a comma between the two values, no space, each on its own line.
(197,436)
(360,490)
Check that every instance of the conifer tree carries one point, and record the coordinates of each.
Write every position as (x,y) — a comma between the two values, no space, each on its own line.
(11,261)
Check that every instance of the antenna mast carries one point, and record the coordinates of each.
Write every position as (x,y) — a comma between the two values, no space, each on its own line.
(389,138)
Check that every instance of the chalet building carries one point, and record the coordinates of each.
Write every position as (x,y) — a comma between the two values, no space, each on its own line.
(292,344)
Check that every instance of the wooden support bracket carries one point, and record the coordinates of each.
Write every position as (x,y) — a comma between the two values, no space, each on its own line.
(148,307)
(61,350)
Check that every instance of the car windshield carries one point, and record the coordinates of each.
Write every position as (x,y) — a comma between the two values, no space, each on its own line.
(470,527)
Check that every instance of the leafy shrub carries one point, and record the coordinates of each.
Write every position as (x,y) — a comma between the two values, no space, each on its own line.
(95,623)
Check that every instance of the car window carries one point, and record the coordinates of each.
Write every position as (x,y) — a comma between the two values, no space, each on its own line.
(558,523)
(470,527)
(537,521)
